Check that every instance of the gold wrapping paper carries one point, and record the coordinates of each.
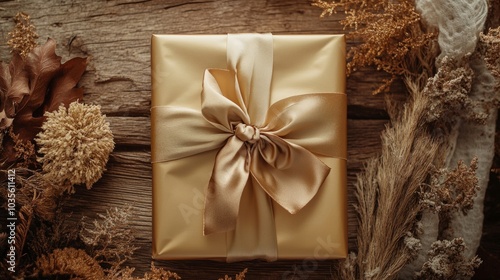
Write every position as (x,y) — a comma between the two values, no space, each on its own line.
(264,229)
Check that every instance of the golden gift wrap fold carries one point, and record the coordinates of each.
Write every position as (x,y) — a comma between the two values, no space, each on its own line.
(249,147)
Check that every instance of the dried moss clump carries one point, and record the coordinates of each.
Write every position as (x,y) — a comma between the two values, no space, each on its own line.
(75,143)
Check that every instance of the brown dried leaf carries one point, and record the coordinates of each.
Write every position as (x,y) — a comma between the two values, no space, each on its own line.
(63,87)
(52,84)
(14,87)
(42,65)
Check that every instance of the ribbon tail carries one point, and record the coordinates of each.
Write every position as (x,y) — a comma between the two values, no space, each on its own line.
(223,196)
(290,174)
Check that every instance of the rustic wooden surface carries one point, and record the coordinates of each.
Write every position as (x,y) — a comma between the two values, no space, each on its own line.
(115,35)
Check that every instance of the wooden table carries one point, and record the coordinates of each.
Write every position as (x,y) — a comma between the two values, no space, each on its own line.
(115,36)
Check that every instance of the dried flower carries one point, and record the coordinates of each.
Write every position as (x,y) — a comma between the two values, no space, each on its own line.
(71,262)
(110,239)
(75,143)
(453,190)
(393,38)
(239,276)
(490,48)
(446,261)
(160,274)
(23,150)
(449,93)
(36,191)
(154,274)
(23,37)
(57,233)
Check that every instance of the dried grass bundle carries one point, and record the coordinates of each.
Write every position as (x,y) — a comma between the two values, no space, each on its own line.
(387,194)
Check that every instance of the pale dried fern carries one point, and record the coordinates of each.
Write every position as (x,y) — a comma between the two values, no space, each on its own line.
(109,239)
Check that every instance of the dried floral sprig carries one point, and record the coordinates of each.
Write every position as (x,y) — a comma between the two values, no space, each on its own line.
(154,274)
(23,150)
(489,47)
(449,91)
(447,261)
(36,191)
(75,144)
(393,38)
(239,276)
(57,233)
(23,37)
(160,274)
(110,240)
(75,263)
(452,190)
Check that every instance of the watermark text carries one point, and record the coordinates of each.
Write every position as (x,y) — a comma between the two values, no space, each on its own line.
(11,220)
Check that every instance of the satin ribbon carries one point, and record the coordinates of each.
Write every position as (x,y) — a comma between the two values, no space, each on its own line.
(271,146)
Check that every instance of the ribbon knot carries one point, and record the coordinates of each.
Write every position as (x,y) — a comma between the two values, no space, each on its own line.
(247,133)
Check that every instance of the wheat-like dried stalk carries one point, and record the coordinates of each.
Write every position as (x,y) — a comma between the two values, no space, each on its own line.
(388,202)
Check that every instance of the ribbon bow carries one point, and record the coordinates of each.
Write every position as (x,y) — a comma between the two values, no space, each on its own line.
(273,146)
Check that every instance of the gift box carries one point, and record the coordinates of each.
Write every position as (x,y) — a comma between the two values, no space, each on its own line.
(248,147)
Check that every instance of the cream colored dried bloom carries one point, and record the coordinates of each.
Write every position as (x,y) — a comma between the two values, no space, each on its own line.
(75,143)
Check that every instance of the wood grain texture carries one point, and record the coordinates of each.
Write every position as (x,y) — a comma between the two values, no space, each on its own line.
(115,36)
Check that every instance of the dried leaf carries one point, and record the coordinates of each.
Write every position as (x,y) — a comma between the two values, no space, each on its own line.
(42,65)
(63,87)
(32,87)
(51,84)
(14,87)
